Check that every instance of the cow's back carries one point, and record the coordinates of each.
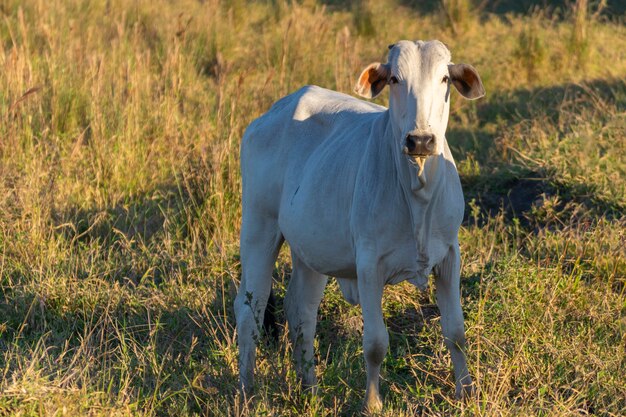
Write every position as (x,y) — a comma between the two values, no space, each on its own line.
(277,146)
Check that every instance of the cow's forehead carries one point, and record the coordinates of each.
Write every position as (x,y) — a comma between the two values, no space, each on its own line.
(407,55)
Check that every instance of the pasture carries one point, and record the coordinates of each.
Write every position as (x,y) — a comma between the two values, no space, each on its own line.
(120,124)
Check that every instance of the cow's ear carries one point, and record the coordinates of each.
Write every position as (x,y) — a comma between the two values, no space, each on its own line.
(466,80)
(372,80)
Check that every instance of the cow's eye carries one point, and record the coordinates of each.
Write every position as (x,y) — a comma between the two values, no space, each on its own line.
(393,80)
(445,79)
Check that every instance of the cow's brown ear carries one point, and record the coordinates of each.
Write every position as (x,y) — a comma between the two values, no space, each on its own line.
(372,80)
(466,80)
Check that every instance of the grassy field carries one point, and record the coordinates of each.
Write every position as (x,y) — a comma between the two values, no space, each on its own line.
(120,123)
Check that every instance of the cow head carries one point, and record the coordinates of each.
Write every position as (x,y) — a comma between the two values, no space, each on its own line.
(419,75)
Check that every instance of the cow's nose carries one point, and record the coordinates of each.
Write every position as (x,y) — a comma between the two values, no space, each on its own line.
(420,144)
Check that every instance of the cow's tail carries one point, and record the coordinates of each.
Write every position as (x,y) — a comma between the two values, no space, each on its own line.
(270,325)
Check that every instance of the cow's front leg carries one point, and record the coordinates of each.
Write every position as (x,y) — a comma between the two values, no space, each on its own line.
(452,326)
(375,336)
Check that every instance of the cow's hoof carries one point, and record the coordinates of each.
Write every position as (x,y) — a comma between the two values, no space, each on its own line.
(243,402)
(465,392)
(373,404)
(310,388)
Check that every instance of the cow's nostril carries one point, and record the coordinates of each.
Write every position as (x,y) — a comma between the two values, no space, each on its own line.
(430,143)
(410,143)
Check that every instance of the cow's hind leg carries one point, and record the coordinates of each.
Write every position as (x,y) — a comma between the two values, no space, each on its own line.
(304,294)
(452,326)
(260,243)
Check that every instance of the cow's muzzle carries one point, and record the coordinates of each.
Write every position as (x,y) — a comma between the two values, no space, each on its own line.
(419,145)
(418,148)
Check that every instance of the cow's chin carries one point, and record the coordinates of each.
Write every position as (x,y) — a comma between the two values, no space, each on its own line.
(418,161)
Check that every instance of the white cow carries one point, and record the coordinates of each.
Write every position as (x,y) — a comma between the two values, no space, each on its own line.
(360,192)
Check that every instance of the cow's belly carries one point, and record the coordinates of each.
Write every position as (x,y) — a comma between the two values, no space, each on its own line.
(318,232)
(324,254)
(327,263)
